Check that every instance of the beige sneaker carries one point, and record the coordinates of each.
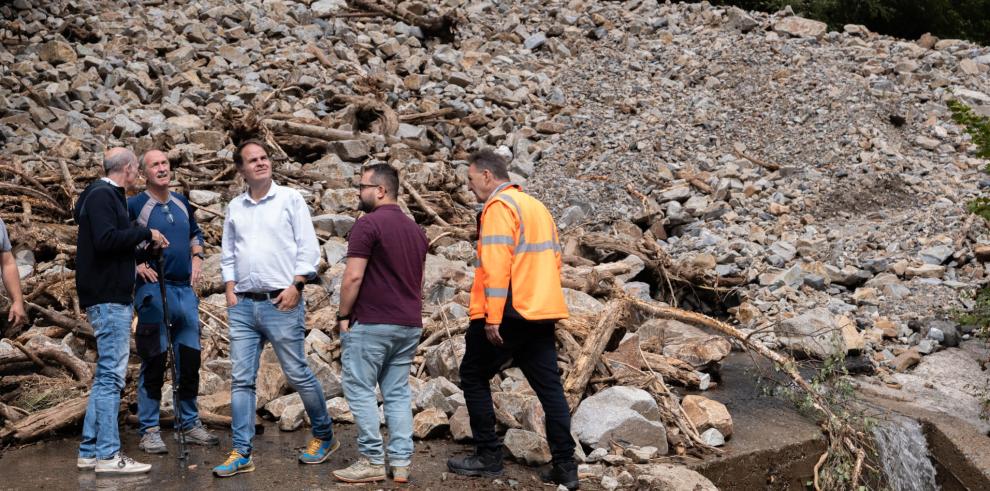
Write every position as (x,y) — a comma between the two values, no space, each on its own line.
(400,474)
(361,471)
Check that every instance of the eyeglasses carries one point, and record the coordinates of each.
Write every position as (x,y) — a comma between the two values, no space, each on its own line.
(168,214)
(362,187)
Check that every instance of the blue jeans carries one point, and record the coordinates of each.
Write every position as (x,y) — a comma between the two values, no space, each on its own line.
(380,354)
(112,328)
(152,346)
(252,323)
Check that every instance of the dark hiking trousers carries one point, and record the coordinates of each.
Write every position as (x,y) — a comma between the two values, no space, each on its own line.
(531,347)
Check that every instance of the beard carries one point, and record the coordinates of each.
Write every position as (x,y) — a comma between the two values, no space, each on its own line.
(365,205)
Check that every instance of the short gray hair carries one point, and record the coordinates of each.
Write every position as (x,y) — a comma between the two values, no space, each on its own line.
(117,161)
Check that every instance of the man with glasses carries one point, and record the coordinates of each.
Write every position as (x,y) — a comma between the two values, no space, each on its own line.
(269,251)
(380,324)
(169,212)
(106,252)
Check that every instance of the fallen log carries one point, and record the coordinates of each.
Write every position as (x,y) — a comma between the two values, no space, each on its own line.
(423,205)
(591,352)
(439,27)
(79,328)
(47,422)
(312,131)
(674,369)
(11,413)
(216,421)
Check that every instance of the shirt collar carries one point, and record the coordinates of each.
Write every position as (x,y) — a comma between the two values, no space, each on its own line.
(155,199)
(111,181)
(499,189)
(272,191)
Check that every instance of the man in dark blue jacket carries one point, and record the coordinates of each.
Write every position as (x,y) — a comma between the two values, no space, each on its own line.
(171,214)
(106,252)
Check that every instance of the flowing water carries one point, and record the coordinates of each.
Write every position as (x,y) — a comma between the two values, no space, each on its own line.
(904,455)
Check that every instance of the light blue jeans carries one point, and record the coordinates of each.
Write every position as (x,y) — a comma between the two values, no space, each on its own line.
(112,328)
(380,354)
(252,323)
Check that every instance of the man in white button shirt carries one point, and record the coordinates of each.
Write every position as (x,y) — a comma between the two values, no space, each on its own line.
(269,250)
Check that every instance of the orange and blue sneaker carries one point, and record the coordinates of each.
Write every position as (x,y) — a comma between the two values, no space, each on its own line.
(318,451)
(235,464)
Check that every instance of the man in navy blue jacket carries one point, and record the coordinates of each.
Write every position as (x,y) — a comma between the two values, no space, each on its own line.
(106,253)
(170,213)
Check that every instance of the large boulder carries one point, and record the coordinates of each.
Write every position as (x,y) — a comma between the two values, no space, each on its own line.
(685,342)
(328,377)
(460,425)
(527,447)
(445,359)
(524,409)
(800,27)
(292,417)
(819,334)
(623,414)
(705,413)
(270,382)
(670,477)
(435,394)
(278,406)
(430,423)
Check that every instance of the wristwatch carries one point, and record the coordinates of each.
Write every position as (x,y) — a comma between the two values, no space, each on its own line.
(200,255)
(343,317)
(299,285)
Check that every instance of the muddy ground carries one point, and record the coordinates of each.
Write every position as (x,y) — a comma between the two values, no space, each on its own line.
(51,465)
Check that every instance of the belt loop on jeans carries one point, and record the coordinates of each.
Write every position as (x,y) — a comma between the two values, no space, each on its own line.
(259,296)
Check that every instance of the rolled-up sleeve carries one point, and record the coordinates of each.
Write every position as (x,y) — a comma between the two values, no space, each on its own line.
(227,242)
(307,247)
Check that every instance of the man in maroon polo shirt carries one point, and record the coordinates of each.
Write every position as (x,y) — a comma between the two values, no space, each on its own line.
(380,324)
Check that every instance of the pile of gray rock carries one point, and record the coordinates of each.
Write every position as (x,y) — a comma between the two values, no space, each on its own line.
(819,171)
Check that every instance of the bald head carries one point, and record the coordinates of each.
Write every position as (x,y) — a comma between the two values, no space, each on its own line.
(117,159)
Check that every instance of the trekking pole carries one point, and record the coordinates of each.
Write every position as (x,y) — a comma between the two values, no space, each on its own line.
(160,269)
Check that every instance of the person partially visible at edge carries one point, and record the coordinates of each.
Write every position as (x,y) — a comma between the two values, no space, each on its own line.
(106,254)
(11,280)
(380,322)
(515,301)
(171,214)
(269,251)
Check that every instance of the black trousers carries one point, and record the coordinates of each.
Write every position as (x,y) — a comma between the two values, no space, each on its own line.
(531,347)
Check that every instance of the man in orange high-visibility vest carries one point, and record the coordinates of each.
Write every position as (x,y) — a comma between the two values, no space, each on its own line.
(515,301)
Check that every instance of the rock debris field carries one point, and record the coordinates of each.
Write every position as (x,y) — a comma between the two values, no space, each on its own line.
(806,186)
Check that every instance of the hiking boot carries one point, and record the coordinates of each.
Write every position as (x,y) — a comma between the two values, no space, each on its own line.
(483,462)
(120,464)
(565,474)
(151,441)
(235,464)
(197,435)
(400,473)
(318,451)
(361,471)
(86,463)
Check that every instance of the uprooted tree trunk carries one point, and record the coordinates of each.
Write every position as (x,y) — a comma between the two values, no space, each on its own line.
(47,422)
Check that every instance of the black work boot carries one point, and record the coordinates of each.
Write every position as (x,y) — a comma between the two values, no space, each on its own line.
(483,462)
(565,473)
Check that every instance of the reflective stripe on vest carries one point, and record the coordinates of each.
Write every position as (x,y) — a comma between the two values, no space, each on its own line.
(522,247)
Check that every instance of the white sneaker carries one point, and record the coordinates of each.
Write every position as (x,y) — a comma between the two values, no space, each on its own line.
(121,464)
(86,464)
